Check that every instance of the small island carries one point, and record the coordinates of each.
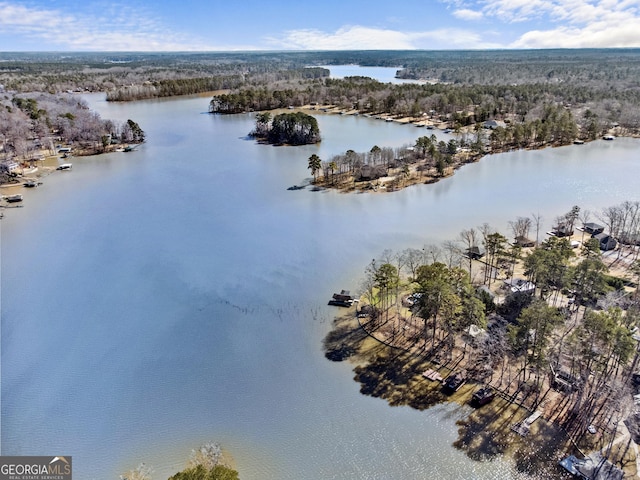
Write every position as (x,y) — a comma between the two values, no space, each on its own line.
(295,128)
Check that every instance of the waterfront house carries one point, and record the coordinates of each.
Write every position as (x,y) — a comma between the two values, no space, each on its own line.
(371,172)
(524,242)
(607,242)
(592,228)
(493,124)
(593,467)
(10,166)
(475,252)
(562,230)
(515,285)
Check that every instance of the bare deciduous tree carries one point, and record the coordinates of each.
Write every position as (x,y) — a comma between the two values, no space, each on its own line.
(208,455)
(520,227)
(537,223)
(141,472)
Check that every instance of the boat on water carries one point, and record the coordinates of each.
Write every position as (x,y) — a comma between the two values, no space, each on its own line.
(13,198)
(608,137)
(30,184)
(64,166)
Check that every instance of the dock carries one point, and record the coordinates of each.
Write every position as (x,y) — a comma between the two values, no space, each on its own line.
(342,299)
(432,375)
(523,428)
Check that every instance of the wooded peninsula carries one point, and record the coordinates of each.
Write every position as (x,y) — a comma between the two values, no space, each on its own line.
(506,321)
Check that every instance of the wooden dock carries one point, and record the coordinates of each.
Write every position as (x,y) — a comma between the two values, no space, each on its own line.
(523,428)
(432,375)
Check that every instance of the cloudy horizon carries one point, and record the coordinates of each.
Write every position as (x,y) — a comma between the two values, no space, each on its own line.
(70,25)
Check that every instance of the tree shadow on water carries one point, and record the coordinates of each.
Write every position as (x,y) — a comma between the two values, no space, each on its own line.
(486,434)
(343,342)
(398,380)
(483,435)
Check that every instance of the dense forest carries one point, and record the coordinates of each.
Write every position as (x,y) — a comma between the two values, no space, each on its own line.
(616,69)
(592,110)
(598,87)
(489,84)
(295,128)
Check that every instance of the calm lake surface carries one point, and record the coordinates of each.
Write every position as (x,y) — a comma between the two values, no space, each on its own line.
(155,300)
(382,74)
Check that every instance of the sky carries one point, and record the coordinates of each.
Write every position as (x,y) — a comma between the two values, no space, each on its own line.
(216,25)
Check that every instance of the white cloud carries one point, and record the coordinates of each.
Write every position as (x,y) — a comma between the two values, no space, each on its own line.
(122,29)
(451,38)
(467,14)
(365,38)
(584,24)
(569,23)
(516,10)
(345,38)
(594,36)
(556,11)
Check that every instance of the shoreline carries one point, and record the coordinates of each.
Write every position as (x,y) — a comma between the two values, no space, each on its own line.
(505,427)
(392,361)
(419,172)
(484,434)
(44,167)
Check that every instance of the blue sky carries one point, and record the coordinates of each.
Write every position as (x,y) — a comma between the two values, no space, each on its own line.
(214,25)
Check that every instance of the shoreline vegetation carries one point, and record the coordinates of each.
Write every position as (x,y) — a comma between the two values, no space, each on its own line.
(295,128)
(429,160)
(207,462)
(550,328)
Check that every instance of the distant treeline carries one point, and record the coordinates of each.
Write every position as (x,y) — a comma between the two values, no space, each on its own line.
(188,86)
(171,88)
(590,111)
(596,68)
(615,69)
(486,84)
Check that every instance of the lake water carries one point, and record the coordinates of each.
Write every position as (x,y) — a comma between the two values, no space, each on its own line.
(155,300)
(382,74)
